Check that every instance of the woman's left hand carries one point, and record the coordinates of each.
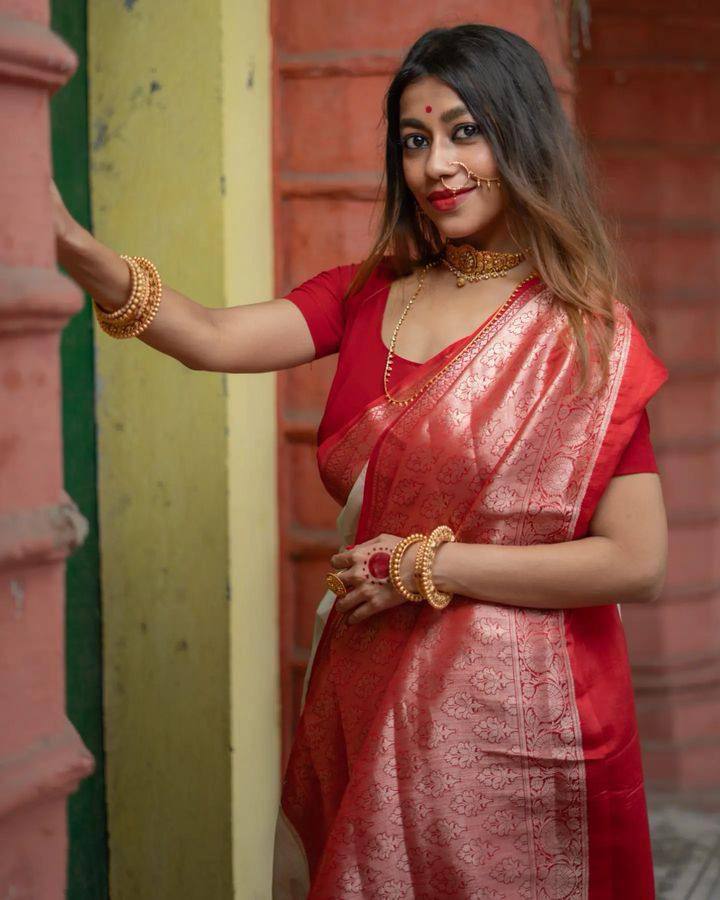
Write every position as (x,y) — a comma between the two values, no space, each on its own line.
(369,593)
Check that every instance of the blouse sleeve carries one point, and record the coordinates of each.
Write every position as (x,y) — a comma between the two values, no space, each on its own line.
(320,300)
(638,456)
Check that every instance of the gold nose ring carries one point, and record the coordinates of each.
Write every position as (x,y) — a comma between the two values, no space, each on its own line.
(469,175)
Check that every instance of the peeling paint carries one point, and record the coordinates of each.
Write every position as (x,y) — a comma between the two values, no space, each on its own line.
(103,166)
(155,86)
(18,594)
(163,493)
(129,5)
(250,81)
(101,134)
(122,504)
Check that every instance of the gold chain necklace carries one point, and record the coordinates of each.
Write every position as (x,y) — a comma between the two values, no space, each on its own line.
(469,264)
(476,337)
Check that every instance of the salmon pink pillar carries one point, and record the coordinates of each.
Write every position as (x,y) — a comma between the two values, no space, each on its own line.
(42,758)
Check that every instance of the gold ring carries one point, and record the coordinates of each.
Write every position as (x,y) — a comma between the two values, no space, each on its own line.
(335,584)
(468,177)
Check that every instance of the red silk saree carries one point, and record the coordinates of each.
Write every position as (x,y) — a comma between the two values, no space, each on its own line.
(483,750)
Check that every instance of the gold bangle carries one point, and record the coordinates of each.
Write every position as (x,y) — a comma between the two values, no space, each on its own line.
(424,563)
(139,291)
(394,569)
(150,305)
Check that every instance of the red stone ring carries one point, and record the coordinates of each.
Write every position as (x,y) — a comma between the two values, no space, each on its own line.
(379,564)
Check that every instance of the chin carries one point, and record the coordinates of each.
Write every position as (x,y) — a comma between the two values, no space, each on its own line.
(458,230)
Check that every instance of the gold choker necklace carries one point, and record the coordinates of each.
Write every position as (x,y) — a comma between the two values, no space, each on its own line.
(469,264)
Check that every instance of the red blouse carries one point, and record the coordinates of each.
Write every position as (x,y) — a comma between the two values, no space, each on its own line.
(353,329)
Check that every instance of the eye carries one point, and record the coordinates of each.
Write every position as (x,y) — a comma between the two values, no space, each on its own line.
(461,128)
(407,141)
(463,132)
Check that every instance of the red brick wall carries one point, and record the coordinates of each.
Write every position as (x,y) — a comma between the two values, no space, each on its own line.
(648,96)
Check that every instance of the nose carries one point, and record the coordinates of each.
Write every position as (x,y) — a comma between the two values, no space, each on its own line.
(441,164)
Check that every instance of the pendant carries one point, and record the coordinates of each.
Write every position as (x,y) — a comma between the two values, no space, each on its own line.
(461,282)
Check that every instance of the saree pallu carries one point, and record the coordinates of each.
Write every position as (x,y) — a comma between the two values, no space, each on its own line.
(483,750)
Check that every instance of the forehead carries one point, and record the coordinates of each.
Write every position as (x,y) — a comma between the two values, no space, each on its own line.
(428,89)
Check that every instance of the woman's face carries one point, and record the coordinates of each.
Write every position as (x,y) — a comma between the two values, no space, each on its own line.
(435,129)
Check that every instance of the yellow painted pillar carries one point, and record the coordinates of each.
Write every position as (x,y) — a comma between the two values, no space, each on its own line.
(181,173)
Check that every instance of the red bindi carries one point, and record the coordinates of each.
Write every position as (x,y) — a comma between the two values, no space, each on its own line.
(428,109)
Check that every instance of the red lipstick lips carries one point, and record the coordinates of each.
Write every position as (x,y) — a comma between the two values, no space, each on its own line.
(442,195)
(445,201)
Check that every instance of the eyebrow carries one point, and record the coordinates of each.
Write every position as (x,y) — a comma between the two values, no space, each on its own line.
(447,116)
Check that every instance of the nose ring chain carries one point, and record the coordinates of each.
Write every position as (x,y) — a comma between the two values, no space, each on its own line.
(469,175)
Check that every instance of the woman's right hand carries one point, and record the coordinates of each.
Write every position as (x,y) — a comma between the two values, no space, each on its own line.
(65,226)
(252,337)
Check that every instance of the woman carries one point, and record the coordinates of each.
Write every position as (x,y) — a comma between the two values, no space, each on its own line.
(482,744)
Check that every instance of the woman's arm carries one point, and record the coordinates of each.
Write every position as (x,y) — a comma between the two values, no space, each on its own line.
(255,337)
(623,559)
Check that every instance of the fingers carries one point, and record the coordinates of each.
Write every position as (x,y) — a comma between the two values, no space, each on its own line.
(366,595)
(363,610)
(342,560)
(345,558)
(366,601)
(351,600)
(351,577)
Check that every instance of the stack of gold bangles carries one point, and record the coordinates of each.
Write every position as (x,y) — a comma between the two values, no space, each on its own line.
(138,312)
(423,567)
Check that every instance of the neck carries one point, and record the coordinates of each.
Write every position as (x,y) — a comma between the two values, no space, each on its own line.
(494,237)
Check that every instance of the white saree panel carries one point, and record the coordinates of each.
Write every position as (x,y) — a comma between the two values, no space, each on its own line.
(291,878)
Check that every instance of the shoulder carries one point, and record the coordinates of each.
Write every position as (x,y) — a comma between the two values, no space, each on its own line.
(358,283)
(380,273)
(639,340)
(644,371)
(341,276)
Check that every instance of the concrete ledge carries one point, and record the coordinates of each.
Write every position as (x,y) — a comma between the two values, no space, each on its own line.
(51,767)
(40,535)
(32,54)
(36,299)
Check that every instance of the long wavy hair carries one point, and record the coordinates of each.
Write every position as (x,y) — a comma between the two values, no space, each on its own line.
(549,178)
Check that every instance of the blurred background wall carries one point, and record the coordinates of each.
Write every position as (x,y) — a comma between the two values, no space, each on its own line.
(647,90)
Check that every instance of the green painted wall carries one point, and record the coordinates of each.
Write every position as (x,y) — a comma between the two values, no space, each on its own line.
(87,859)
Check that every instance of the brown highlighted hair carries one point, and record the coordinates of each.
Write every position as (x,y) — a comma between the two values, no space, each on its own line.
(548,176)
